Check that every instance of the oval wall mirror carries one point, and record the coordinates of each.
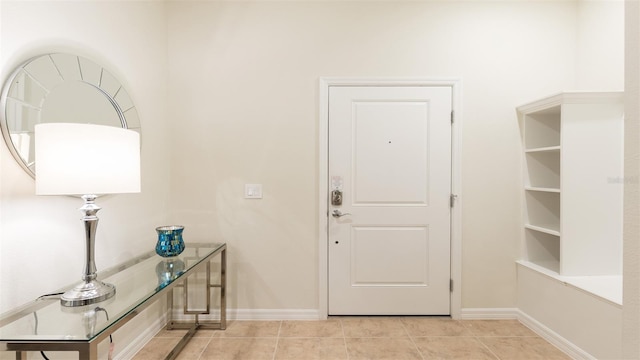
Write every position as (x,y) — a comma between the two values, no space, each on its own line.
(60,88)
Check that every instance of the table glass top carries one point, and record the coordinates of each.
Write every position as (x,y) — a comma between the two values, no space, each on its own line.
(136,281)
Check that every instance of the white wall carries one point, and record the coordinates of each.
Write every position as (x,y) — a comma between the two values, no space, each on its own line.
(244,79)
(600,37)
(41,238)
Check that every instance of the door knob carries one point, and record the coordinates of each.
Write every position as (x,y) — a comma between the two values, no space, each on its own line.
(338,214)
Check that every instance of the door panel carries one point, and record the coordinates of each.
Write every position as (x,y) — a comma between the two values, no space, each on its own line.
(405,258)
(390,156)
(386,134)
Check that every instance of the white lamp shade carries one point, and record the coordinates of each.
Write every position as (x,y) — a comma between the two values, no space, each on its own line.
(86,159)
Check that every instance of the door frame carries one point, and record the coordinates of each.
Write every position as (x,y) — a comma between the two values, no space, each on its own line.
(323,181)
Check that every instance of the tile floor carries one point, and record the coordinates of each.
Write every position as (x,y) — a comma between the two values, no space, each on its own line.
(354,338)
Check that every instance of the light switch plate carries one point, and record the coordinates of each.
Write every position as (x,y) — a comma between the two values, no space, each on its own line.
(253,191)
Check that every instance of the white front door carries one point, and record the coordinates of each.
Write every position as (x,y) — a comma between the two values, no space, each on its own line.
(390,162)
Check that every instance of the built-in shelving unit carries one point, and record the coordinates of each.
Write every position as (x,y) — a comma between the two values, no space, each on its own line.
(570,269)
(542,187)
(572,152)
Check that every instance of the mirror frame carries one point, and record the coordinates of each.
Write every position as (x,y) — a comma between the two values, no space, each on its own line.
(117,98)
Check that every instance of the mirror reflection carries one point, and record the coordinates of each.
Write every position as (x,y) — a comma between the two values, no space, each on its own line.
(60,88)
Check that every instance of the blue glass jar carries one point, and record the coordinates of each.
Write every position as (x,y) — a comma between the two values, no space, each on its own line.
(170,241)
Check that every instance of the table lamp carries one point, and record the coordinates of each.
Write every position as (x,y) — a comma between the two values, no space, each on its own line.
(87,160)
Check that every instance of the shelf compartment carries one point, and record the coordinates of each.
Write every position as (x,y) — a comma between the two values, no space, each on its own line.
(544,149)
(542,169)
(542,249)
(543,210)
(542,129)
(545,228)
(552,190)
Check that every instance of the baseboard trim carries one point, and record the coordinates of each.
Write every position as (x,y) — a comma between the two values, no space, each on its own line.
(141,340)
(489,313)
(551,336)
(255,314)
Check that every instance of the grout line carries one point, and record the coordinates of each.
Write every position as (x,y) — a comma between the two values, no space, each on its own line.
(508,336)
(275,349)
(486,347)
(344,339)
(411,339)
(205,347)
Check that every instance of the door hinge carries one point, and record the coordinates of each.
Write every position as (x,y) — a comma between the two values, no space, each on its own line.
(452,116)
(450,285)
(452,199)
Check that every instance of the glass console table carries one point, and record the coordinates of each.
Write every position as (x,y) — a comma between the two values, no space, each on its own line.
(44,324)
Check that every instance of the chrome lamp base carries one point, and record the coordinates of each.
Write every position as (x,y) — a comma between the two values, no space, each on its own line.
(87,293)
(91,290)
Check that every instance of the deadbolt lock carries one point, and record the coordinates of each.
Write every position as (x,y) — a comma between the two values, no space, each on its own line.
(336,197)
